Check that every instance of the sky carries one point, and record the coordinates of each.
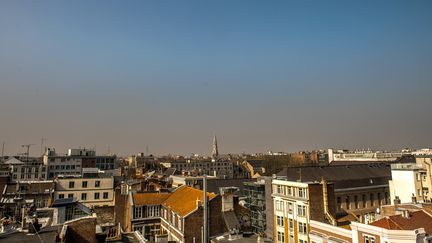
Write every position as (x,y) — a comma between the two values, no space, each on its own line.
(261,75)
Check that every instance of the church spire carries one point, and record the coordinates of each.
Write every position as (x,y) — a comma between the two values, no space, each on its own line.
(215,152)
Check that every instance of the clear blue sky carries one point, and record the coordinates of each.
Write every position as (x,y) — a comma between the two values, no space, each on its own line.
(280,75)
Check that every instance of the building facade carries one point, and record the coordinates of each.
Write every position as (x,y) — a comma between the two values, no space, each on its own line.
(296,203)
(33,170)
(256,203)
(220,169)
(173,217)
(91,191)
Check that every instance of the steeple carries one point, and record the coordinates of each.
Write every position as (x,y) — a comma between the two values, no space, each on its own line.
(215,152)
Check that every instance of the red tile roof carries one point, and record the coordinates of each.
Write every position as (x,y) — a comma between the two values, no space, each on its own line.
(418,219)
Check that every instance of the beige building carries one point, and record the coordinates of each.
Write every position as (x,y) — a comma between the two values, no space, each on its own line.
(296,203)
(411,182)
(406,226)
(92,191)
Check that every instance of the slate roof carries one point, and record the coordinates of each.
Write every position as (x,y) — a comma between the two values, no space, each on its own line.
(213,185)
(342,176)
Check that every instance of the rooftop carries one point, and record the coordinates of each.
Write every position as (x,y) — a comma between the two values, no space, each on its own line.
(342,176)
(149,198)
(412,221)
(183,200)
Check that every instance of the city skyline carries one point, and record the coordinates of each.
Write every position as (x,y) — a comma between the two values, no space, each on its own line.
(284,76)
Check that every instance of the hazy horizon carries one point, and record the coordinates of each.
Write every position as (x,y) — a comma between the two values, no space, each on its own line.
(285,76)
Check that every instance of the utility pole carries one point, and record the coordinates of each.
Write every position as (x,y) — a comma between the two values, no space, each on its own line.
(3,149)
(205,209)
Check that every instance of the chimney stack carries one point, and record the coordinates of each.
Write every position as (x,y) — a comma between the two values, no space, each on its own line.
(397,201)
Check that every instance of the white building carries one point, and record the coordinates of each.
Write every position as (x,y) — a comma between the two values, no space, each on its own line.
(408,183)
(363,155)
(26,171)
(92,191)
(61,164)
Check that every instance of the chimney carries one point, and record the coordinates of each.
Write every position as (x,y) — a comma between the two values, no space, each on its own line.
(397,201)
(198,203)
(406,214)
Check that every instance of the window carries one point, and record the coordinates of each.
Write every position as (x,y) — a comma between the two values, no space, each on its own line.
(302,192)
(290,208)
(105,195)
(96,195)
(84,184)
(97,183)
(279,189)
(70,195)
(302,227)
(83,196)
(280,236)
(138,212)
(71,184)
(369,239)
(179,223)
(289,191)
(280,221)
(279,206)
(347,202)
(61,196)
(301,210)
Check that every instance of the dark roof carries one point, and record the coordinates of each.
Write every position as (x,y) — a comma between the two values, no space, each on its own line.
(46,234)
(256,163)
(214,184)
(169,171)
(64,201)
(341,176)
(348,163)
(30,187)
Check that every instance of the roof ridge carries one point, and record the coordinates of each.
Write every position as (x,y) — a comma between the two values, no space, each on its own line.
(393,221)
